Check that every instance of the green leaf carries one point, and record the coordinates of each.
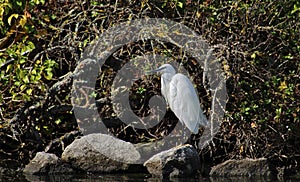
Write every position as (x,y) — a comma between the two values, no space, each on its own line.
(23,87)
(31,45)
(49,75)
(19,3)
(38,77)
(296,8)
(49,69)
(180,4)
(93,94)
(17,83)
(53,16)
(8,68)
(29,91)
(22,61)
(26,79)
(58,121)
(26,97)
(33,72)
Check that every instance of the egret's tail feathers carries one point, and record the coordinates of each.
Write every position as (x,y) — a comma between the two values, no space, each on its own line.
(193,126)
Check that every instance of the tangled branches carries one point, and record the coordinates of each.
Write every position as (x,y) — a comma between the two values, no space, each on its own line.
(255,41)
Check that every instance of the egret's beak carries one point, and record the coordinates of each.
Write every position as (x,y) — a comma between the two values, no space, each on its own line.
(153,71)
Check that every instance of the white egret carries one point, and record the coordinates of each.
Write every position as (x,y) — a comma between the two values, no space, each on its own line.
(181,97)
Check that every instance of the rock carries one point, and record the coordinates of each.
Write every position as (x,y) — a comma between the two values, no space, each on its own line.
(180,161)
(245,167)
(45,163)
(40,163)
(147,150)
(101,153)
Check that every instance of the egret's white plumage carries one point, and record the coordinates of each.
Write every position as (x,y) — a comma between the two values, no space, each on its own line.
(181,97)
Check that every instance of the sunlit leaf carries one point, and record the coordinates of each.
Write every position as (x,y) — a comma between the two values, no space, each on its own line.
(22,87)
(282,86)
(1,12)
(17,83)
(253,125)
(29,91)
(33,72)
(22,61)
(8,68)
(180,4)
(26,79)
(49,75)
(23,20)
(26,97)
(10,18)
(58,121)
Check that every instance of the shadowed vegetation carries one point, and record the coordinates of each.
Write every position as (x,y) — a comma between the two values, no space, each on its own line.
(257,43)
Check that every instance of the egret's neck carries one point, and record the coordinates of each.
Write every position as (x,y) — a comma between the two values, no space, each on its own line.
(167,77)
(165,84)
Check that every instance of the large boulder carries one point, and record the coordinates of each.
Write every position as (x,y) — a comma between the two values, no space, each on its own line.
(45,163)
(101,153)
(244,167)
(180,161)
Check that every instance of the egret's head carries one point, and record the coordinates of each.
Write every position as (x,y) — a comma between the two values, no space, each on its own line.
(165,68)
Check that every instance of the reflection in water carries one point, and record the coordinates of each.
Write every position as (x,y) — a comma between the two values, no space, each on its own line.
(88,177)
(132,177)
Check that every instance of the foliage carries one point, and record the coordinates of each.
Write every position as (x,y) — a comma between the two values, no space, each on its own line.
(22,76)
(257,43)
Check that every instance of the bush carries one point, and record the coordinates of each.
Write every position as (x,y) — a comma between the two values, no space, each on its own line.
(258,46)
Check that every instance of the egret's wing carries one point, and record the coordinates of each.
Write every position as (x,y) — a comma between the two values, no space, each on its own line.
(184,102)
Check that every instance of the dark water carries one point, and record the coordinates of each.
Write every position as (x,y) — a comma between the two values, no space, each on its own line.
(132,177)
